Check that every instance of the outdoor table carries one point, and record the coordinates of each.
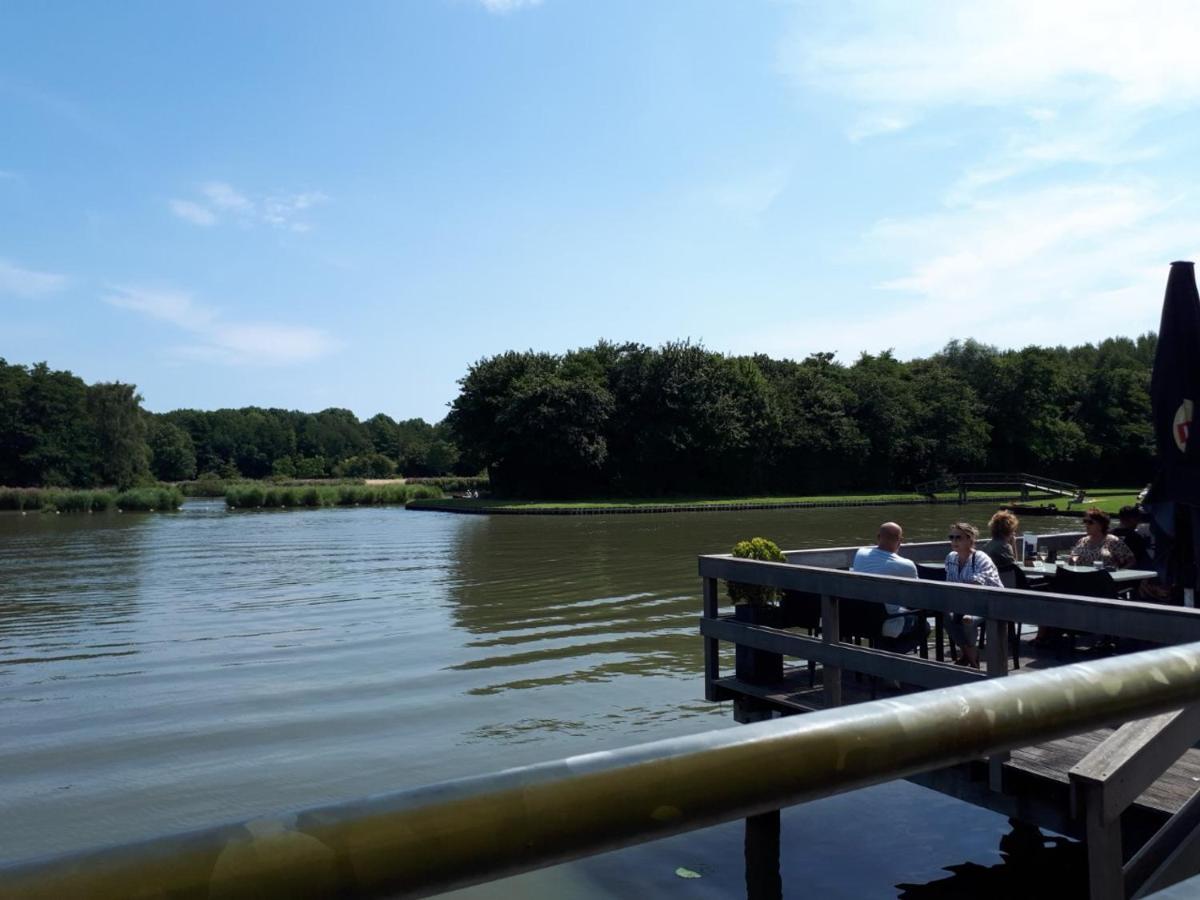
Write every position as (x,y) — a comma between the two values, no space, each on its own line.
(1121,577)
(1041,571)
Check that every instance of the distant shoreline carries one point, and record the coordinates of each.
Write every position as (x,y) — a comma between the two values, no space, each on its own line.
(1106,498)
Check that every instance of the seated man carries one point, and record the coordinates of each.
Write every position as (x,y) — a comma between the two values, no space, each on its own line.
(1129,518)
(903,630)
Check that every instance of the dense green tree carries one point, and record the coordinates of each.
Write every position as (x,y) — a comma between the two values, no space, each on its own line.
(820,442)
(54,435)
(119,431)
(632,419)
(369,465)
(532,420)
(172,453)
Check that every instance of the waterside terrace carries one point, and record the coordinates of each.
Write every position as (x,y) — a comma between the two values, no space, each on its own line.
(1129,791)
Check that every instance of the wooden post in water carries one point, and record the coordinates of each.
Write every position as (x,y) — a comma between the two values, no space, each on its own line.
(712,651)
(997,667)
(763,881)
(831,676)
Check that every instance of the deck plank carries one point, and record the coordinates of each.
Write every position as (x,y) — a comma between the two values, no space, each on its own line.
(1047,762)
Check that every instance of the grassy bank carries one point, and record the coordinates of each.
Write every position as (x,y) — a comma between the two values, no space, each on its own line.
(219,487)
(663,504)
(269,496)
(65,500)
(1110,499)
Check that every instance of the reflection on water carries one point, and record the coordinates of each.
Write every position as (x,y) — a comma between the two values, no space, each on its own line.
(70,587)
(1034,865)
(163,672)
(892,841)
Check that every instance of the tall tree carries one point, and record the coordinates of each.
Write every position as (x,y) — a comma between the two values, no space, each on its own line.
(119,431)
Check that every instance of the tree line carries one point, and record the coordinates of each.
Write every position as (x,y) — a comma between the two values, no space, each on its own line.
(56,430)
(628,419)
(681,419)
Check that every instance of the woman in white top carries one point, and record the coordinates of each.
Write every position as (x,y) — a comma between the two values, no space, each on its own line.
(966,565)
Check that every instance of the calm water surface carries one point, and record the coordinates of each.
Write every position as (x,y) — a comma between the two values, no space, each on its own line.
(165,672)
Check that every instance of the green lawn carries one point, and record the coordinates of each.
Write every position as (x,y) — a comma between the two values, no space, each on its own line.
(1109,499)
(1112,499)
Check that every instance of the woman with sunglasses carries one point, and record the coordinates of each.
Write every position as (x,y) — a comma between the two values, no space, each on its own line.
(1099,545)
(966,565)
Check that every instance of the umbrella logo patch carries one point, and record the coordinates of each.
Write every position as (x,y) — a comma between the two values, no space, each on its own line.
(1183,425)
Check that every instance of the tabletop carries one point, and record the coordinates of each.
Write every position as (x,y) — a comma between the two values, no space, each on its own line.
(1040,570)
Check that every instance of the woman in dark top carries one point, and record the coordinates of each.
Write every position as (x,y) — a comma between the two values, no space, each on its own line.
(1002,547)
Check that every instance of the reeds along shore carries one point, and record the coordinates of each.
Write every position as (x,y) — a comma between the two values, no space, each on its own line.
(63,500)
(260,496)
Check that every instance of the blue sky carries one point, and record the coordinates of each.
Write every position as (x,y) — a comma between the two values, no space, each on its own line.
(307,205)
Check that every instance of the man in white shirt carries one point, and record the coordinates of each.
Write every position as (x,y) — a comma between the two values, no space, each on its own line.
(904,630)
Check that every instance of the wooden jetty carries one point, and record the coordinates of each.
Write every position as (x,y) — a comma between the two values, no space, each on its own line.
(1129,792)
(1025,483)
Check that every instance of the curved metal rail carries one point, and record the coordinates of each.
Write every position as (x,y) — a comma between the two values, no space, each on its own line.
(428,840)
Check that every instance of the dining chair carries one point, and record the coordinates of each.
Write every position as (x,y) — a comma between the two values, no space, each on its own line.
(1013,578)
(939,574)
(1097,583)
(863,619)
(802,609)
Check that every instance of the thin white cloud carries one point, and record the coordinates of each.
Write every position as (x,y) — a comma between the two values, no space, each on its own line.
(19,282)
(222,341)
(753,193)
(503,7)
(875,124)
(1059,227)
(225,196)
(1051,265)
(285,211)
(193,212)
(913,58)
(220,201)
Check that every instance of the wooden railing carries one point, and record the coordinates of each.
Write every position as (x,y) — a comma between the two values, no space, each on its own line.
(963,481)
(415,843)
(1104,783)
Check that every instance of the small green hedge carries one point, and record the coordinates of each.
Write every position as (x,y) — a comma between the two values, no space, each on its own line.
(453,484)
(271,497)
(71,501)
(754,594)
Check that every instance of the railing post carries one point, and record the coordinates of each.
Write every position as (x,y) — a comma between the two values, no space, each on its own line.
(831,630)
(712,652)
(1106,880)
(997,667)
(997,647)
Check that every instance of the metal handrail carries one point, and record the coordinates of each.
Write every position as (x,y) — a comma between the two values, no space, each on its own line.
(477,829)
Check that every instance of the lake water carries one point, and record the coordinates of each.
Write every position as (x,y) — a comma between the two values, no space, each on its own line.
(165,672)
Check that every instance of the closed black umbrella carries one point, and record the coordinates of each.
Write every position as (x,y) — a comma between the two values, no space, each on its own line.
(1174,499)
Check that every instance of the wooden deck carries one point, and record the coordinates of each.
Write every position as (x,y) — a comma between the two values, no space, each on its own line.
(1041,769)
(1131,792)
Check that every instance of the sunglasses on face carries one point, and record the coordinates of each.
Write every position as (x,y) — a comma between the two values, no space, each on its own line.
(955,537)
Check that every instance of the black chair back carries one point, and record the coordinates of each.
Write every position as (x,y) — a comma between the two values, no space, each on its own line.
(1012,575)
(1084,584)
(1008,575)
(860,618)
(801,609)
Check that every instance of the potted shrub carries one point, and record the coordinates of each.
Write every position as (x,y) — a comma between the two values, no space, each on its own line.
(755,604)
